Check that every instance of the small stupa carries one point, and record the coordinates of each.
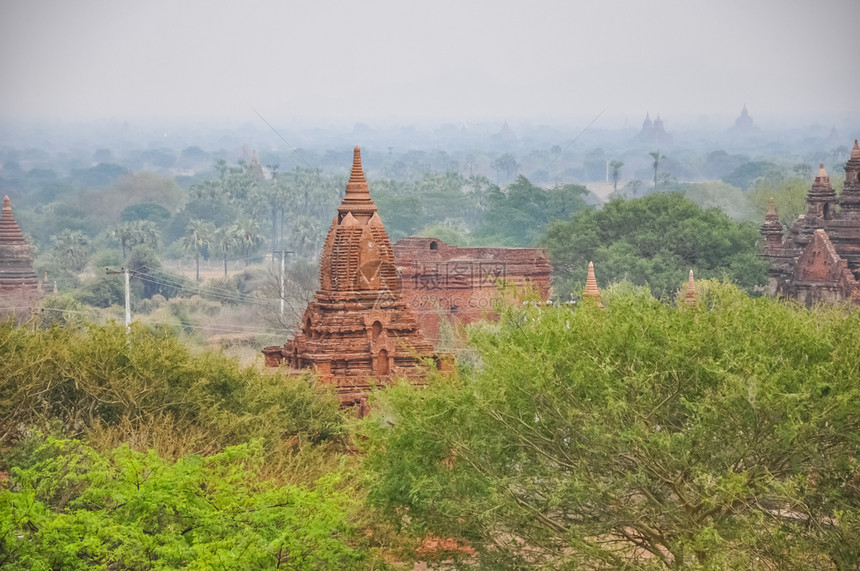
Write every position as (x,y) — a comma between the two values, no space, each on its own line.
(591,293)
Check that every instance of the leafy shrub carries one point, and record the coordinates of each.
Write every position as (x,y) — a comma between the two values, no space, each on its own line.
(72,507)
(97,377)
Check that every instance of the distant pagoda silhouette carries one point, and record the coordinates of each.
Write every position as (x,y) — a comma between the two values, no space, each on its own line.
(744,124)
(653,132)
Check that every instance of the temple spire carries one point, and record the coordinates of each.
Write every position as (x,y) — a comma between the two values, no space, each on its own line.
(771,209)
(690,296)
(771,230)
(855,151)
(591,292)
(357,198)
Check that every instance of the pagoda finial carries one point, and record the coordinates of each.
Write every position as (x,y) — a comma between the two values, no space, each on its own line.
(357,197)
(855,152)
(591,292)
(690,296)
(822,181)
(7,204)
(357,174)
(771,208)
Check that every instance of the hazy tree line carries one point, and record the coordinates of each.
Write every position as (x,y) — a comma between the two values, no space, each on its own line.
(235,216)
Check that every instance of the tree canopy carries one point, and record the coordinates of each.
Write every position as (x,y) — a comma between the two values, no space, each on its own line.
(519,215)
(653,240)
(722,435)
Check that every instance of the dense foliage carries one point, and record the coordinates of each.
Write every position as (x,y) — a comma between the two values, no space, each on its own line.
(723,435)
(98,378)
(74,508)
(162,457)
(653,240)
(519,215)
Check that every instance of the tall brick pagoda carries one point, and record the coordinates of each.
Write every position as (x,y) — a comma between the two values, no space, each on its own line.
(819,260)
(16,261)
(358,328)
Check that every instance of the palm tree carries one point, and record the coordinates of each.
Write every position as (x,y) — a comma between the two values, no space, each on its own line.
(225,239)
(305,235)
(198,235)
(72,249)
(248,237)
(615,167)
(124,234)
(657,158)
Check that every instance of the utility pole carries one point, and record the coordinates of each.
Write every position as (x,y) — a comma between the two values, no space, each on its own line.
(283,254)
(126,272)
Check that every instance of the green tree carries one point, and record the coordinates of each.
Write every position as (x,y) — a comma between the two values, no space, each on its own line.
(225,239)
(507,164)
(745,175)
(135,233)
(657,157)
(717,194)
(198,237)
(615,173)
(75,508)
(789,196)
(653,240)
(519,215)
(248,237)
(719,436)
(72,250)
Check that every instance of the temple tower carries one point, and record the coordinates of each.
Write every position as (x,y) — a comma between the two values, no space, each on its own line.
(771,230)
(819,259)
(821,198)
(849,200)
(357,329)
(16,261)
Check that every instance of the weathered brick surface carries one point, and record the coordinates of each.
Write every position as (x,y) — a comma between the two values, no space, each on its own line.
(819,260)
(461,285)
(16,261)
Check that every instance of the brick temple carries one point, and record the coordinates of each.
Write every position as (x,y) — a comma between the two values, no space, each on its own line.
(462,285)
(357,330)
(819,259)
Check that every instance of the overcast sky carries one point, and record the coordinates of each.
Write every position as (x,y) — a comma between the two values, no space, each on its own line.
(439,60)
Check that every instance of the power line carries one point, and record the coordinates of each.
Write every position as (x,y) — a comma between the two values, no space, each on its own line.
(581,133)
(283,139)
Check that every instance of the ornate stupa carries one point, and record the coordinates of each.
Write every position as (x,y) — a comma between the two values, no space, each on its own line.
(16,261)
(357,330)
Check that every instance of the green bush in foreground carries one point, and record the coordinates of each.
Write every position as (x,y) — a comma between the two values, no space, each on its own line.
(149,388)
(725,435)
(74,508)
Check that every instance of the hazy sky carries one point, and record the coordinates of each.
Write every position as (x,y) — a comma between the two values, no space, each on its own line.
(438,60)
